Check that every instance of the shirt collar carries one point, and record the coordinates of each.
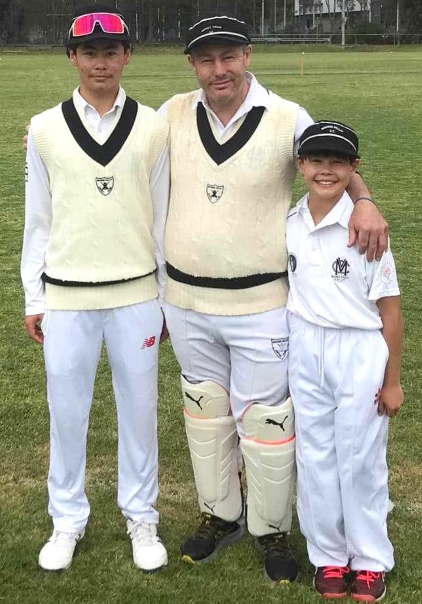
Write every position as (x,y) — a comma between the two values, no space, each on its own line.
(339,214)
(82,106)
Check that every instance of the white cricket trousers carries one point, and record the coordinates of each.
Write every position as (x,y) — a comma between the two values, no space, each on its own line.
(247,355)
(341,443)
(72,347)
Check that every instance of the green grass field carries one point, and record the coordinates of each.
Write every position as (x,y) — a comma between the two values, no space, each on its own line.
(379,93)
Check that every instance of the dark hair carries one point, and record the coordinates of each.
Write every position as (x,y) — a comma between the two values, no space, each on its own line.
(72,47)
(341,156)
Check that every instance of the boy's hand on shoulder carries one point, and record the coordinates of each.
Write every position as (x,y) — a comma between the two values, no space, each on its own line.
(389,400)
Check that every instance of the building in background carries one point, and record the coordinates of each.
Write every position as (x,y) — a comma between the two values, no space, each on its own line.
(325,15)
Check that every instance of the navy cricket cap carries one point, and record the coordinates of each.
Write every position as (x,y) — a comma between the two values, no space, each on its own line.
(216,30)
(329,138)
(90,22)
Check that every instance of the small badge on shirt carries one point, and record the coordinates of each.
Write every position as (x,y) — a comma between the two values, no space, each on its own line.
(105,185)
(341,269)
(388,273)
(281,347)
(292,263)
(215,192)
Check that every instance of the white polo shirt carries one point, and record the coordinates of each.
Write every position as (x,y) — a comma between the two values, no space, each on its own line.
(332,285)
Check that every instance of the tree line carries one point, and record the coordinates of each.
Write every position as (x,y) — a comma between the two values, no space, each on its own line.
(46,21)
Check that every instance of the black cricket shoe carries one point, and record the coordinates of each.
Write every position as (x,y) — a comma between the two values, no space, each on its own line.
(212,533)
(280,565)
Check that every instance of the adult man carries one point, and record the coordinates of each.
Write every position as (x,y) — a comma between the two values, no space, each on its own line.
(96,203)
(232,171)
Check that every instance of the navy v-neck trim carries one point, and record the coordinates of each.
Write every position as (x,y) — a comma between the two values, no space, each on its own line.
(102,154)
(220,153)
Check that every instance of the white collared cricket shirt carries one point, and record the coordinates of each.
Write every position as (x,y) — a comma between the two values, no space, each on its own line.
(332,285)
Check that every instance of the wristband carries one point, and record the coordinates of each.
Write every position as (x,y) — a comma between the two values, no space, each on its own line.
(366,198)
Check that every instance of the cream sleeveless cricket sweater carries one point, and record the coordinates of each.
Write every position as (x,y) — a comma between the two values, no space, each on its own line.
(100,252)
(225,233)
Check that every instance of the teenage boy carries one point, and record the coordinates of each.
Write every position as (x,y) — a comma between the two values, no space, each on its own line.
(344,373)
(232,172)
(96,202)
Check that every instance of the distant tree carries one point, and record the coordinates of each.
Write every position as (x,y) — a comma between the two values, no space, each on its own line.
(411,15)
(349,5)
(410,12)
(4,10)
(364,6)
(249,15)
(22,21)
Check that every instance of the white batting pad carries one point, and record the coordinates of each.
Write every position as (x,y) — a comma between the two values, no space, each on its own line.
(205,399)
(269,453)
(212,439)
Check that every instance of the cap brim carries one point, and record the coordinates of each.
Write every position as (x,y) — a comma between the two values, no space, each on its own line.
(97,35)
(216,39)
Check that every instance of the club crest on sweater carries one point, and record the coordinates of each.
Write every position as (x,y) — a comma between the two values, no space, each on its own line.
(105,185)
(215,192)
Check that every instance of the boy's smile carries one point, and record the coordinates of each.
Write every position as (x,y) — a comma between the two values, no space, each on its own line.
(326,177)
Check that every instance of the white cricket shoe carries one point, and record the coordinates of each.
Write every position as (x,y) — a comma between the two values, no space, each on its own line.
(57,553)
(149,554)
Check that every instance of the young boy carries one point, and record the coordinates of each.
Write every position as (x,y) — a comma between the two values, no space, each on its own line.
(344,373)
(96,204)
